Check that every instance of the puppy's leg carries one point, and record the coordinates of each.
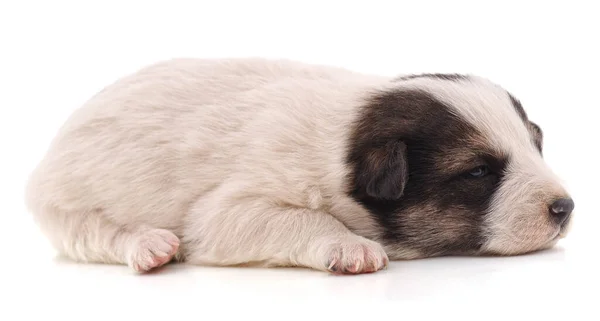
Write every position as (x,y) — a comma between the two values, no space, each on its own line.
(254,232)
(92,237)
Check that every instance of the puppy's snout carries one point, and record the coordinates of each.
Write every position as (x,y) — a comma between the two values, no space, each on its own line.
(561,209)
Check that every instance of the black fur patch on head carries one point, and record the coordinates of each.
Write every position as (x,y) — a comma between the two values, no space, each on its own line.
(418,155)
(518,107)
(433,75)
(533,128)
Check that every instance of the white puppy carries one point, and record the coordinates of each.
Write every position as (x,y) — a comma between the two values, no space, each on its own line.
(280,163)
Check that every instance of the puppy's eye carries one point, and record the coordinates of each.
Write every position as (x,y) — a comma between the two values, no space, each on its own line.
(479,171)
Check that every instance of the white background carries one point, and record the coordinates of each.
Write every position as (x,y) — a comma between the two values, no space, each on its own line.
(56,54)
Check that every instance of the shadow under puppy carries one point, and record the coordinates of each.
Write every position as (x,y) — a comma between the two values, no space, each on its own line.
(281,163)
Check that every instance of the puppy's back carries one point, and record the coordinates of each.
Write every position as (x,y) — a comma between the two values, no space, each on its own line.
(145,147)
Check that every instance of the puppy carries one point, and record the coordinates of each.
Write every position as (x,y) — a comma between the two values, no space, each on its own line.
(280,163)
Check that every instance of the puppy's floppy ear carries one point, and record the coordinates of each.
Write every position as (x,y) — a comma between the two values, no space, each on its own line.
(384,171)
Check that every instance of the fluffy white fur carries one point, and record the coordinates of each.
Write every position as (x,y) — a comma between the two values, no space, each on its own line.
(207,160)
(200,148)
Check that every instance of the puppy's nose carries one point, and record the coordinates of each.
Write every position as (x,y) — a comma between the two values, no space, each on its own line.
(561,210)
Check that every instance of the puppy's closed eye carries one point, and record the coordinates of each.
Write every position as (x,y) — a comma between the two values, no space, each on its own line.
(479,171)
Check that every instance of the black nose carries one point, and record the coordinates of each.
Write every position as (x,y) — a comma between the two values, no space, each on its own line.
(561,210)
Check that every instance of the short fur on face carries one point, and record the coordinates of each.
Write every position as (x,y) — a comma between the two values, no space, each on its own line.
(448,125)
(281,163)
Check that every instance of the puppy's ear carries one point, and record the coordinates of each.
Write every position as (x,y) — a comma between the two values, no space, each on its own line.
(384,171)
(538,135)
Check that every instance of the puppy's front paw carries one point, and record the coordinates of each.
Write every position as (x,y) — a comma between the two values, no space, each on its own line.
(356,255)
(152,249)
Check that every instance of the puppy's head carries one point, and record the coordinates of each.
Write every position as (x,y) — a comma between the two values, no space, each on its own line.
(451,164)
